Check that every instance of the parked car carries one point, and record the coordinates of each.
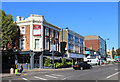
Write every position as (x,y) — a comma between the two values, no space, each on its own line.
(81,66)
(93,61)
(102,62)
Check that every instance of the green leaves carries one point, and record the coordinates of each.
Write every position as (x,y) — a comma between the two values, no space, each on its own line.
(118,52)
(8,29)
(47,62)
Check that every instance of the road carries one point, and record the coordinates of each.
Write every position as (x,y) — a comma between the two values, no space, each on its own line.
(107,72)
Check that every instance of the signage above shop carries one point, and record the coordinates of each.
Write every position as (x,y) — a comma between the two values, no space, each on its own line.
(36,30)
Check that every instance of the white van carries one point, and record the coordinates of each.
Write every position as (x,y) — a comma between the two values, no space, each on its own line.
(93,61)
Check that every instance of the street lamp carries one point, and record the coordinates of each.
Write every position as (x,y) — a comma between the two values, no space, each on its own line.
(106,46)
(41,59)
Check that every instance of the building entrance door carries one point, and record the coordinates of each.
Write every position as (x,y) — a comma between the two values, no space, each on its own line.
(36,62)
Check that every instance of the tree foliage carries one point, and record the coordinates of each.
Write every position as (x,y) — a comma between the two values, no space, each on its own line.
(113,53)
(8,29)
(118,52)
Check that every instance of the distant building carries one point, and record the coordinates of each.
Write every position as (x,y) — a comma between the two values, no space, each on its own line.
(109,53)
(36,38)
(96,43)
(74,44)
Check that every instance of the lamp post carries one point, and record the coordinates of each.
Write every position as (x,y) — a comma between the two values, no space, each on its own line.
(41,59)
(53,48)
(106,47)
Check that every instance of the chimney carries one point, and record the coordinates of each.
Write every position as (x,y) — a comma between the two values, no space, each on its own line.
(19,18)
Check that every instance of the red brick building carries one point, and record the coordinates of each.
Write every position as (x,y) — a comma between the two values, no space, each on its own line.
(36,38)
(96,43)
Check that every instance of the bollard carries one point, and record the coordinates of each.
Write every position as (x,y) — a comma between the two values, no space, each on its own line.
(11,71)
(16,71)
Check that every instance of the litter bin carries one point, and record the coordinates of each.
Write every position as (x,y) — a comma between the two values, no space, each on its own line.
(11,71)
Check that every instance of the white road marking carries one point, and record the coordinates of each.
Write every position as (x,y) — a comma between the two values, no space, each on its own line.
(112,75)
(24,79)
(51,76)
(42,72)
(40,78)
(57,75)
(116,69)
(66,78)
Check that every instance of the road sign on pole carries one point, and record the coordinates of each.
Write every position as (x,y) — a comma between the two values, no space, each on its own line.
(53,49)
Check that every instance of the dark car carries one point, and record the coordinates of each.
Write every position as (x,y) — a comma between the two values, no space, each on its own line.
(81,66)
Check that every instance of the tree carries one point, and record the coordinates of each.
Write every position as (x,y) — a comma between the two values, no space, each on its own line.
(118,52)
(8,29)
(113,53)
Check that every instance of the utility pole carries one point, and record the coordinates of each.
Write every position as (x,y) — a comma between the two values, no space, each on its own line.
(62,42)
(53,58)
(53,48)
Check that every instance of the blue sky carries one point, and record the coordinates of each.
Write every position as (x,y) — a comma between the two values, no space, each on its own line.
(85,18)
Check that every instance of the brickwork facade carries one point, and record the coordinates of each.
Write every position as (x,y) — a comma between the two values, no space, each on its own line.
(94,44)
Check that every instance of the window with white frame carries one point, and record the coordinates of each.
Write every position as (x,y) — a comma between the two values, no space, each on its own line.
(22,30)
(56,34)
(56,45)
(47,31)
(51,32)
(22,43)
(52,42)
(47,43)
(36,43)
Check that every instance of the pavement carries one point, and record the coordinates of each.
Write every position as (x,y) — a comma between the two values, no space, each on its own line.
(26,72)
(37,69)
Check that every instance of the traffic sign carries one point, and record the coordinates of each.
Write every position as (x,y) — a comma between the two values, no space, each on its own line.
(52,47)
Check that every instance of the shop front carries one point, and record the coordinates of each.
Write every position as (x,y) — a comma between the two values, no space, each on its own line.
(76,57)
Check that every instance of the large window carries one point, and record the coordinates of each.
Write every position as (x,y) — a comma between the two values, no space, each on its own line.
(47,43)
(52,34)
(22,44)
(76,40)
(70,37)
(22,30)
(81,41)
(56,45)
(36,43)
(47,31)
(77,49)
(52,42)
(70,47)
(56,34)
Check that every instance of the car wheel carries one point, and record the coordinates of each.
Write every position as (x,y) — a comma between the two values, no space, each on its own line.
(81,68)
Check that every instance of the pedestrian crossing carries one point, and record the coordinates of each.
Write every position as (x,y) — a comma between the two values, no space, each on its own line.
(45,77)
(40,78)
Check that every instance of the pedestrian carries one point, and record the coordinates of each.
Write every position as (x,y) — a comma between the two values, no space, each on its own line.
(76,62)
(21,69)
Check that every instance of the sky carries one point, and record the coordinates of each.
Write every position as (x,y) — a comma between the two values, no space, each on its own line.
(85,18)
